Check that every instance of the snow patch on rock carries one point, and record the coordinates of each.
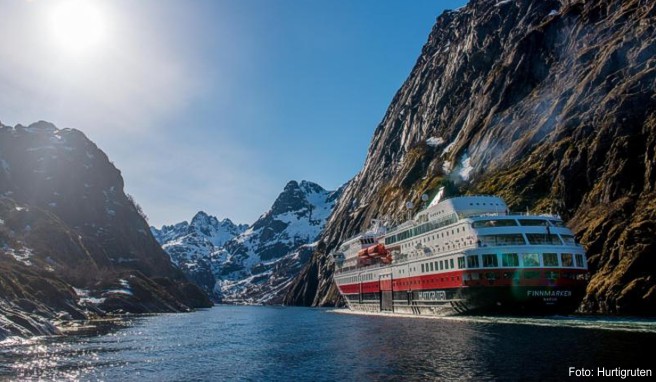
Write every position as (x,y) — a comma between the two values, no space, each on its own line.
(21,255)
(465,167)
(434,141)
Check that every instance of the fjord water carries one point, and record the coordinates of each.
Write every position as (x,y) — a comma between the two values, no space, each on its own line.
(282,344)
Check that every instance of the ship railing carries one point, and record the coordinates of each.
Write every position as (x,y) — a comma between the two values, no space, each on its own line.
(352,268)
(511,213)
(527,213)
(402,226)
(469,196)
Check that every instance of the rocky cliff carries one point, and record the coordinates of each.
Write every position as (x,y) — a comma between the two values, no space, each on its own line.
(550,104)
(256,263)
(71,241)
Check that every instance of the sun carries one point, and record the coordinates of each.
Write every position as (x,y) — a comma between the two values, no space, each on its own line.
(78,25)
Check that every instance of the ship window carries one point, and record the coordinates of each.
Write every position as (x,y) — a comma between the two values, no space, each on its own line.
(500,240)
(532,222)
(568,239)
(422,267)
(451,261)
(579,261)
(550,259)
(494,223)
(490,261)
(461,262)
(431,267)
(472,261)
(446,264)
(441,264)
(531,274)
(530,260)
(509,260)
(557,223)
(543,238)
(566,259)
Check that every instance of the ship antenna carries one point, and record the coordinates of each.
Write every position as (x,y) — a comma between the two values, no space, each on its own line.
(409,206)
(424,198)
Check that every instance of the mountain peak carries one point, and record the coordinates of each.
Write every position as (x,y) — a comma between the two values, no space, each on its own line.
(311,187)
(305,186)
(291,185)
(43,125)
(292,197)
(202,217)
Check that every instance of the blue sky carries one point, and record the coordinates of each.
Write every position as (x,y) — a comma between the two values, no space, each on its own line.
(215,105)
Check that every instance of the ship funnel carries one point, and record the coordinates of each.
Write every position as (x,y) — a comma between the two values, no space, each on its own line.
(437,197)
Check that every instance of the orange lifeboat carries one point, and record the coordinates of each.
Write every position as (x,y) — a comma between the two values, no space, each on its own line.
(373,251)
(377,250)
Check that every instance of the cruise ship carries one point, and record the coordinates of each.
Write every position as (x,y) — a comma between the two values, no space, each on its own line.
(464,255)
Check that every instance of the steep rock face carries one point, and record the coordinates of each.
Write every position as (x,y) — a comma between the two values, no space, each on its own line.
(63,213)
(548,103)
(257,264)
(190,245)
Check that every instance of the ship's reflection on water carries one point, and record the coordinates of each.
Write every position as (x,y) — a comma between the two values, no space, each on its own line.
(265,343)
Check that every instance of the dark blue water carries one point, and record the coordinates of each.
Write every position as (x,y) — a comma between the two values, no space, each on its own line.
(283,344)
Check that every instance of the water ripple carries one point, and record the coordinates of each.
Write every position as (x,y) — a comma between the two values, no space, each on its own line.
(274,344)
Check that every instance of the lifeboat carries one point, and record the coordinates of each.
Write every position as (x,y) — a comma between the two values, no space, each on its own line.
(377,250)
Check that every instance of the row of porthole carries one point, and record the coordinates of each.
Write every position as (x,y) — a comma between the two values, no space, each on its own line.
(441,279)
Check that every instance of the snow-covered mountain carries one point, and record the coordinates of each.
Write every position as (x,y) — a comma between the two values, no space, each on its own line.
(190,245)
(251,264)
